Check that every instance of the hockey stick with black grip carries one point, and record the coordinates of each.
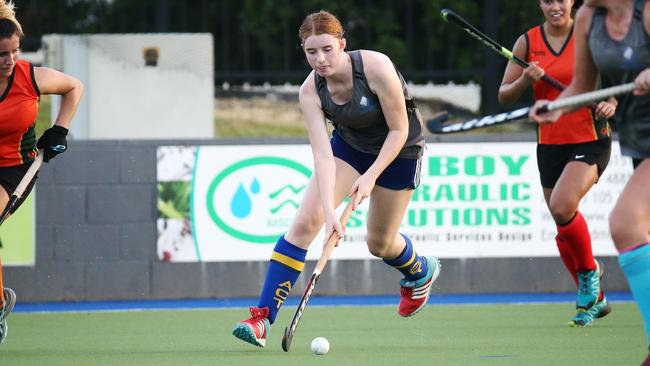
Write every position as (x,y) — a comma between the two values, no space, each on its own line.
(309,289)
(579,100)
(450,16)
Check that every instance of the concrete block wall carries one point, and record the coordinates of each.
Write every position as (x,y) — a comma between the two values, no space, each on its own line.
(95,212)
(96,240)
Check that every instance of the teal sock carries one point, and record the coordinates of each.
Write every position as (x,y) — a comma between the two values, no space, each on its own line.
(636,266)
(287,262)
(412,266)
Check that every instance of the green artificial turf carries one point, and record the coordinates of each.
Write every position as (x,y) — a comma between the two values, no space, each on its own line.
(439,335)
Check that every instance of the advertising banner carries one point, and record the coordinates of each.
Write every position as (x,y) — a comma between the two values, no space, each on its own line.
(231,203)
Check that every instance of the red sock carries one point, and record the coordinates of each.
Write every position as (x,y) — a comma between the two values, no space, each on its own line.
(567,257)
(576,235)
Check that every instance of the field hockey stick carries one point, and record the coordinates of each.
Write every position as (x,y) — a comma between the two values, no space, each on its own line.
(20,189)
(290,331)
(494,119)
(448,15)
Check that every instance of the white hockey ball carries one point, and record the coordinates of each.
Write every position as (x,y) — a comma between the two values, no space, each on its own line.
(320,346)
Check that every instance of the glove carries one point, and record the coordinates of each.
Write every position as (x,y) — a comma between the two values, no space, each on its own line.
(53,142)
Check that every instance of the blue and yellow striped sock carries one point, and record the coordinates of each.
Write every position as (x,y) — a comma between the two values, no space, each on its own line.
(287,262)
(636,266)
(409,263)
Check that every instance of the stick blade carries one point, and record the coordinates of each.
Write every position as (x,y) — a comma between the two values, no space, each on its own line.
(286,339)
(10,205)
(436,124)
(444,13)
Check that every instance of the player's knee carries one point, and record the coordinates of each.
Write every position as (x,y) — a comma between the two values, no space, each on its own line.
(562,211)
(619,226)
(308,223)
(379,245)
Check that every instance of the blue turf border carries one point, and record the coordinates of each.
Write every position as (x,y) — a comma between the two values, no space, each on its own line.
(468,299)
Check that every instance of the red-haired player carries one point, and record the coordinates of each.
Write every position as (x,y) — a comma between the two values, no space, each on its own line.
(375,152)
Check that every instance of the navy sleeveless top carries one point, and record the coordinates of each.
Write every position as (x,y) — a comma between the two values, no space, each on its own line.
(360,122)
(620,62)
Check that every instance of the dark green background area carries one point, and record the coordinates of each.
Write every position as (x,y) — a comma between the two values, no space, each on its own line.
(256,41)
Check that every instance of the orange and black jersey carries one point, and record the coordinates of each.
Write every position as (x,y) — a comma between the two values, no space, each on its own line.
(574,127)
(18,110)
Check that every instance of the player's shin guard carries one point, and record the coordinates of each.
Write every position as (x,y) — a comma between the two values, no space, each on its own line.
(287,262)
(576,234)
(412,266)
(567,257)
(636,266)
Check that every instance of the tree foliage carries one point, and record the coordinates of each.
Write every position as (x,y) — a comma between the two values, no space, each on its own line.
(257,39)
